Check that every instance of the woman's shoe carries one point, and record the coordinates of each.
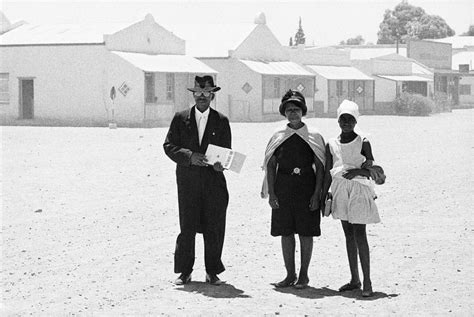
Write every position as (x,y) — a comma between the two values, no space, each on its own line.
(301,285)
(349,287)
(287,282)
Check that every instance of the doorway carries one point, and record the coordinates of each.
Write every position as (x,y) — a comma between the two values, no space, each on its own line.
(27,94)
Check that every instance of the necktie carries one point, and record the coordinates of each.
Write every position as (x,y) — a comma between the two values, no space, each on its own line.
(201,128)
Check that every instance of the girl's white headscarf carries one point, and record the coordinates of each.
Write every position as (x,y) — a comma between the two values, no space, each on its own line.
(312,137)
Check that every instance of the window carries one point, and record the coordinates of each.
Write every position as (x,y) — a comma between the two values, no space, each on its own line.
(339,90)
(276,88)
(464,89)
(4,93)
(443,83)
(150,88)
(169,86)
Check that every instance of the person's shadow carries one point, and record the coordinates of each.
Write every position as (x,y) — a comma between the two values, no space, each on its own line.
(222,291)
(316,293)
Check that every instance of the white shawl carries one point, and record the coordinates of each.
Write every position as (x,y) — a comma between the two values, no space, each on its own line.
(312,137)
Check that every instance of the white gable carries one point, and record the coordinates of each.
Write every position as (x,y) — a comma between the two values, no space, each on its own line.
(146,36)
(261,44)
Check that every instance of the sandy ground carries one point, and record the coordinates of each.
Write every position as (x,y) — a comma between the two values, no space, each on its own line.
(89,221)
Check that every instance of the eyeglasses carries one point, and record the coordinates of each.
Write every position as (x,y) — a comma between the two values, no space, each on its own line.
(204,93)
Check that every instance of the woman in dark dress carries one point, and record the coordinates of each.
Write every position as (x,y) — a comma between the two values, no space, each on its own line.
(294,161)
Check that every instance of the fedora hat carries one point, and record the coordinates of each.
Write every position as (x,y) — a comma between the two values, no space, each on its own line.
(295,97)
(204,83)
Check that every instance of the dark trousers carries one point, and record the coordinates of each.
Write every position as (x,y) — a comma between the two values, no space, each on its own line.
(203,199)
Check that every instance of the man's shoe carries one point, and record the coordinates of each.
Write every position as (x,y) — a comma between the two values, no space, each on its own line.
(213,279)
(183,279)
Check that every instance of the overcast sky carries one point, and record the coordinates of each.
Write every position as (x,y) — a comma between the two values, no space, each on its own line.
(324,22)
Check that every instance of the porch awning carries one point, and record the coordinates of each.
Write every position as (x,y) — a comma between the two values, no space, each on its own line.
(339,72)
(406,78)
(277,68)
(166,63)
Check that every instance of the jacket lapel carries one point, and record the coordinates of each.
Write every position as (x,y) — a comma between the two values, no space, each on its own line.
(211,123)
(190,123)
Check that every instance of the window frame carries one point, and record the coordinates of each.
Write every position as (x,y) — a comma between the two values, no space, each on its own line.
(150,93)
(5,94)
(170,86)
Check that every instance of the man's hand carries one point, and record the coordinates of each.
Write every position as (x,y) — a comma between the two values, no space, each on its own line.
(198,159)
(218,167)
(314,203)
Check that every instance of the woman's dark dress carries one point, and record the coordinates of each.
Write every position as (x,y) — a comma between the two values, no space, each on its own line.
(294,191)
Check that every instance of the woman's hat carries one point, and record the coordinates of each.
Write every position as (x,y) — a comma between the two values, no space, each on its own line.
(205,83)
(295,97)
(348,107)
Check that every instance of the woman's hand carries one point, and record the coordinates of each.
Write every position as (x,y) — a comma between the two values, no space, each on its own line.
(314,202)
(273,201)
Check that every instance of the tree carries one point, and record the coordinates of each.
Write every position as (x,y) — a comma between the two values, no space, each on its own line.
(299,36)
(358,40)
(470,32)
(410,22)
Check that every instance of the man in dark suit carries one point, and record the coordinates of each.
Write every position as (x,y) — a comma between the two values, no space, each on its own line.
(202,189)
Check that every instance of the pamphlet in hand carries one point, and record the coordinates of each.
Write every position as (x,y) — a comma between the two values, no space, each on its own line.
(229,159)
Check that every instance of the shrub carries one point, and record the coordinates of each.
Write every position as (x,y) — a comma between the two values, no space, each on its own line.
(413,105)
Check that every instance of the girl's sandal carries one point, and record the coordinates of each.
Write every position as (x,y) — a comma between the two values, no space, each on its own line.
(285,283)
(367,292)
(349,287)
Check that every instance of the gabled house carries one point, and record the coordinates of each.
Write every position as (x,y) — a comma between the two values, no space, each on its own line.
(394,74)
(336,79)
(133,74)
(254,69)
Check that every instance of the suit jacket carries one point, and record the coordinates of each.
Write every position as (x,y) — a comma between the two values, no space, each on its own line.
(182,138)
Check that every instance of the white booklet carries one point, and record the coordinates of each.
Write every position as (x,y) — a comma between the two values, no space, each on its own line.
(229,159)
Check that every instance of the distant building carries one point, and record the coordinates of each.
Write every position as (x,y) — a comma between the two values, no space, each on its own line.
(438,56)
(394,74)
(134,74)
(336,79)
(463,62)
(254,69)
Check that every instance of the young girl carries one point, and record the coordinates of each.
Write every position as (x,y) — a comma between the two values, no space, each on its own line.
(348,163)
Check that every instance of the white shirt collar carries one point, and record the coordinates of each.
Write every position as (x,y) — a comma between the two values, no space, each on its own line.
(200,114)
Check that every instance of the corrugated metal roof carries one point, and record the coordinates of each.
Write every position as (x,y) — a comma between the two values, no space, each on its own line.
(340,72)
(368,53)
(166,63)
(32,34)
(405,78)
(463,58)
(211,40)
(457,41)
(277,68)
(418,69)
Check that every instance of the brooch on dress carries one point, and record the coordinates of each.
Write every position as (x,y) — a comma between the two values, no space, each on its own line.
(296,171)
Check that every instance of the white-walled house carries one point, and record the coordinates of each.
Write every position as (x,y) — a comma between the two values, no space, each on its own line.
(254,68)
(464,63)
(336,79)
(394,74)
(134,74)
